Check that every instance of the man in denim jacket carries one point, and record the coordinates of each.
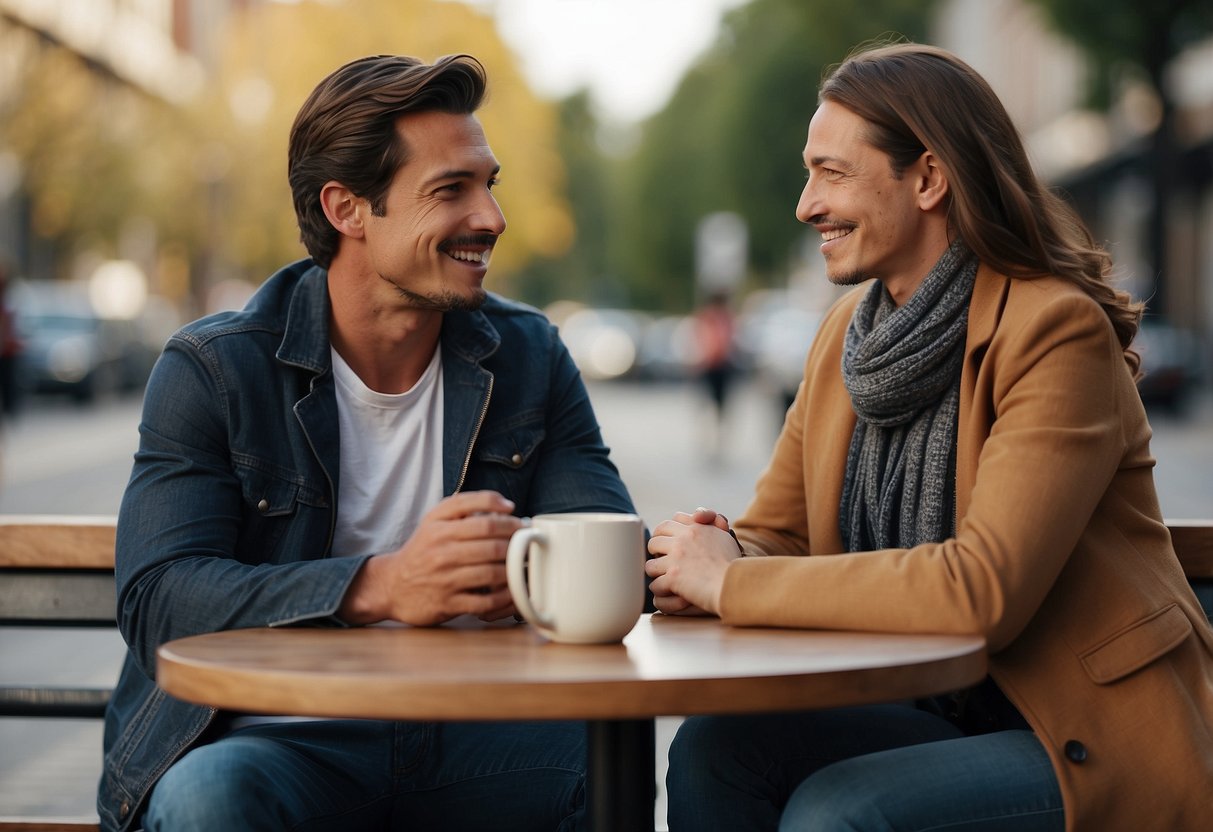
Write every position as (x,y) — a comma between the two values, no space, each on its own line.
(356,445)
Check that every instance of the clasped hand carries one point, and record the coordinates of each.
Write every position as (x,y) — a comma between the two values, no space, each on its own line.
(692,553)
(454,564)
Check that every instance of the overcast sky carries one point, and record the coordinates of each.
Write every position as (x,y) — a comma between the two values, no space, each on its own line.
(629,53)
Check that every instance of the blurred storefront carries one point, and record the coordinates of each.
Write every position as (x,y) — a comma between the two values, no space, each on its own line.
(1104,162)
(133,55)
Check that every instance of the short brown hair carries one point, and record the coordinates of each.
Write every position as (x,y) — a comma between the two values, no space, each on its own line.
(346,131)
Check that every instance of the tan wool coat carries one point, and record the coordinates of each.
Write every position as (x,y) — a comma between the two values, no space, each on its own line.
(1061,559)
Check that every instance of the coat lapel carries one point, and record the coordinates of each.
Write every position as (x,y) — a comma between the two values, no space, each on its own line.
(976,416)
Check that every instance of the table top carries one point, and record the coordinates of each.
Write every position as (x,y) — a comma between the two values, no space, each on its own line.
(666,665)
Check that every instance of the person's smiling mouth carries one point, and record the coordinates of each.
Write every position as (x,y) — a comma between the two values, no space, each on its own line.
(476,250)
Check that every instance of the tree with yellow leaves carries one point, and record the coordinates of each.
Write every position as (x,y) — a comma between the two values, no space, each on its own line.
(208,177)
(273,56)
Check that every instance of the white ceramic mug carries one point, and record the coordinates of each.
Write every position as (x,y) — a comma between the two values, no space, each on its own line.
(579,577)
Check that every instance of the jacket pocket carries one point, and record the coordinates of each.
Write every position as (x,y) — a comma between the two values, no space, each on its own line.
(504,460)
(1137,645)
(512,448)
(270,490)
(272,498)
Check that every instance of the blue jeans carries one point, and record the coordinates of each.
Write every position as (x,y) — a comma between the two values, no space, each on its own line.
(874,768)
(369,775)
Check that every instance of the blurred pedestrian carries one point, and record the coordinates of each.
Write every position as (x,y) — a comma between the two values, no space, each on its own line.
(356,445)
(715,330)
(968,453)
(11,348)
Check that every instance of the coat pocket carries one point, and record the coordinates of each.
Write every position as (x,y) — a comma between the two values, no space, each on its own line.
(1137,645)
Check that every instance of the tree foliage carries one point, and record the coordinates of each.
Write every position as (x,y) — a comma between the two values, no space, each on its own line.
(731,140)
(593,196)
(1123,38)
(1128,35)
(86,147)
(289,49)
(210,177)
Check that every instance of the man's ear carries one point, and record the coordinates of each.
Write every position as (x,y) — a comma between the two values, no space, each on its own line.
(932,182)
(341,207)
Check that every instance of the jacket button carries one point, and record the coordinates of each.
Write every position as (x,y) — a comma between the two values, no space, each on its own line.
(1075,751)
(124,809)
(516,459)
(263,505)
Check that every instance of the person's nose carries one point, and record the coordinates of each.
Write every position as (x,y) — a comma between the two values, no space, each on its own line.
(488,216)
(809,205)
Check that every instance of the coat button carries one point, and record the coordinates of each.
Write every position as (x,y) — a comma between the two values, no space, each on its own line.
(516,459)
(263,505)
(124,809)
(1075,751)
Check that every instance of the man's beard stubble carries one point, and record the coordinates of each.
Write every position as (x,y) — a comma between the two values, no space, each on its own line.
(851,278)
(445,301)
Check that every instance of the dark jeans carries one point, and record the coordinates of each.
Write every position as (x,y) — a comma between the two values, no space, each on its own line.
(875,768)
(366,775)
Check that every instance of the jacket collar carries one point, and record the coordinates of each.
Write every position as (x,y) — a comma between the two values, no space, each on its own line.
(305,336)
(469,336)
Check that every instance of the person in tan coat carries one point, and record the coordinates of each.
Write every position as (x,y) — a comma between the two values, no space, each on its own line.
(967,453)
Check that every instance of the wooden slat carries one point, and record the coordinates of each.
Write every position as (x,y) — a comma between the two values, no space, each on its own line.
(1193,541)
(49,825)
(54,702)
(58,597)
(57,541)
(38,546)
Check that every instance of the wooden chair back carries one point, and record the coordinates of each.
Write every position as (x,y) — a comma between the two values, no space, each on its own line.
(1193,542)
(58,571)
(55,571)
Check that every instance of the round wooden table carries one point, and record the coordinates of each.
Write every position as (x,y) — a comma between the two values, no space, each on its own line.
(665,666)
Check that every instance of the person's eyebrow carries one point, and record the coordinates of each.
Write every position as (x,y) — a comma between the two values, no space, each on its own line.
(458,174)
(818,161)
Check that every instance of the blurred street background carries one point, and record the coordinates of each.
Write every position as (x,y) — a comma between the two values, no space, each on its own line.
(651,165)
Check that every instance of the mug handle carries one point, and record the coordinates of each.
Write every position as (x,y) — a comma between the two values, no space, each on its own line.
(515,563)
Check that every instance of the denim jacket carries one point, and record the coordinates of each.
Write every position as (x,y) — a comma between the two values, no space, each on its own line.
(229,515)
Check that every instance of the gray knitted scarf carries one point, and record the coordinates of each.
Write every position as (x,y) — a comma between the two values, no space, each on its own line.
(902,369)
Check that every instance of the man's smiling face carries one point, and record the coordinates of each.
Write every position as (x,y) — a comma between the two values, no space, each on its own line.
(440,221)
(871,220)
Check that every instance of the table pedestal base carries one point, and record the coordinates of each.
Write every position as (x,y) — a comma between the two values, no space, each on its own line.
(621,781)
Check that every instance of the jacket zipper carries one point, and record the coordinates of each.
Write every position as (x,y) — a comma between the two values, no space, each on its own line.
(328,545)
(467,460)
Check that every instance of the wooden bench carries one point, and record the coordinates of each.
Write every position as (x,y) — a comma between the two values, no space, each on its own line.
(1193,540)
(59,571)
(55,571)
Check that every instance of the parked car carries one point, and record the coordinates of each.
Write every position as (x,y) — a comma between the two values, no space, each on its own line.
(668,350)
(775,330)
(1170,363)
(71,349)
(604,343)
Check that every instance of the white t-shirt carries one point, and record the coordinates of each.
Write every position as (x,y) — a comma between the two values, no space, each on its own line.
(391,459)
(391,469)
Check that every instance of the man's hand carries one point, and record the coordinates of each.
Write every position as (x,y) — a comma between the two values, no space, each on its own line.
(454,564)
(693,551)
(710,517)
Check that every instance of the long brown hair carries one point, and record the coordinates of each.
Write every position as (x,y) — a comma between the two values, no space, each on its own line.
(346,131)
(916,97)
